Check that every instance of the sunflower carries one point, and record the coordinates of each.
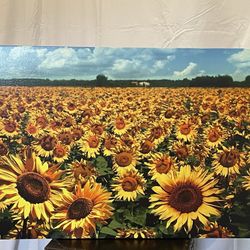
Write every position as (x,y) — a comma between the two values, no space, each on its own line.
(127,140)
(214,136)
(45,145)
(32,188)
(246,183)
(227,161)
(91,145)
(124,159)
(110,142)
(9,128)
(60,153)
(213,230)
(181,150)
(120,125)
(160,164)
(34,229)
(79,212)
(71,107)
(136,233)
(82,171)
(158,131)
(42,121)
(76,134)
(168,115)
(129,185)
(146,148)
(65,137)
(97,129)
(55,126)
(185,196)
(33,129)
(186,130)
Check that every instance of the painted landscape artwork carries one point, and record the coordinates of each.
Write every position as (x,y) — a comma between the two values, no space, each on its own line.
(124,142)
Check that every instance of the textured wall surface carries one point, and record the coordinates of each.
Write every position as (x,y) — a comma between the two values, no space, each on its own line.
(126,23)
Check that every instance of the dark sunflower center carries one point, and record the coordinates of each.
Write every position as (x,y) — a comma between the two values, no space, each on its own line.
(157,112)
(77,134)
(157,132)
(21,109)
(68,122)
(119,123)
(97,129)
(33,187)
(93,142)
(10,127)
(32,129)
(186,198)
(129,184)
(59,152)
(163,165)
(185,129)
(42,121)
(213,135)
(109,143)
(168,114)
(65,138)
(80,208)
(146,147)
(59,108)
(229,159)
(48,143)
(182,152)
(123,159)
(71,106)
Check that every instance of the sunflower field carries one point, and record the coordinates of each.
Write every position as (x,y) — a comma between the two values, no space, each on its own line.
(124,162)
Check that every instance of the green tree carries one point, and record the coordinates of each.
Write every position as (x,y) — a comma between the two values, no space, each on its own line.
(247,80)
(101,80)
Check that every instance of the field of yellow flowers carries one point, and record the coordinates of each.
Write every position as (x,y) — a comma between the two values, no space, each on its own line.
(124,162)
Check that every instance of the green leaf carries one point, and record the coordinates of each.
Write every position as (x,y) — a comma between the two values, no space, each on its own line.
(163,229)
(140,219)
(101,162)
(115,224)
(109,231)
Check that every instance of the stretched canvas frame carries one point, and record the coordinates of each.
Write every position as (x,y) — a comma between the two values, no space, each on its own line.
(124,143)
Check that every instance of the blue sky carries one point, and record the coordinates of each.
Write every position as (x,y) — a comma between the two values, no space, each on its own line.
(121,63)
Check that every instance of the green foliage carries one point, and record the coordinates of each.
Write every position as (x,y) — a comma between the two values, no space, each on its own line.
(108,231)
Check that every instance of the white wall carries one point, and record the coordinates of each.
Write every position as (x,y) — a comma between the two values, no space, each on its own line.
(126,23)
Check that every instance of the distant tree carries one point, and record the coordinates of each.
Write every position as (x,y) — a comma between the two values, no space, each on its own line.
(224,81)
(247,80)
(101,80)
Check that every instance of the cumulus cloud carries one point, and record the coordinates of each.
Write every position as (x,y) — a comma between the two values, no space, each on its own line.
(86,63)
(59,58)
(241,61)
(242,56)
(186,72)
(68,62)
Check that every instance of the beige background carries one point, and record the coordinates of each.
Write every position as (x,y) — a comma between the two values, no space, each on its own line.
(126,23)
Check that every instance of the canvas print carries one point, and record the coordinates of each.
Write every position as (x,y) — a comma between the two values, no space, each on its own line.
(124,142)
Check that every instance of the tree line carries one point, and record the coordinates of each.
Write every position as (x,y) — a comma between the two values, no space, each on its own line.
(103,81)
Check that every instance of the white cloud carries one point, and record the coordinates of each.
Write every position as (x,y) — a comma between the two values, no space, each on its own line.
(241,62)
(240,57)
(59,58)
(187,71)
(67,62)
